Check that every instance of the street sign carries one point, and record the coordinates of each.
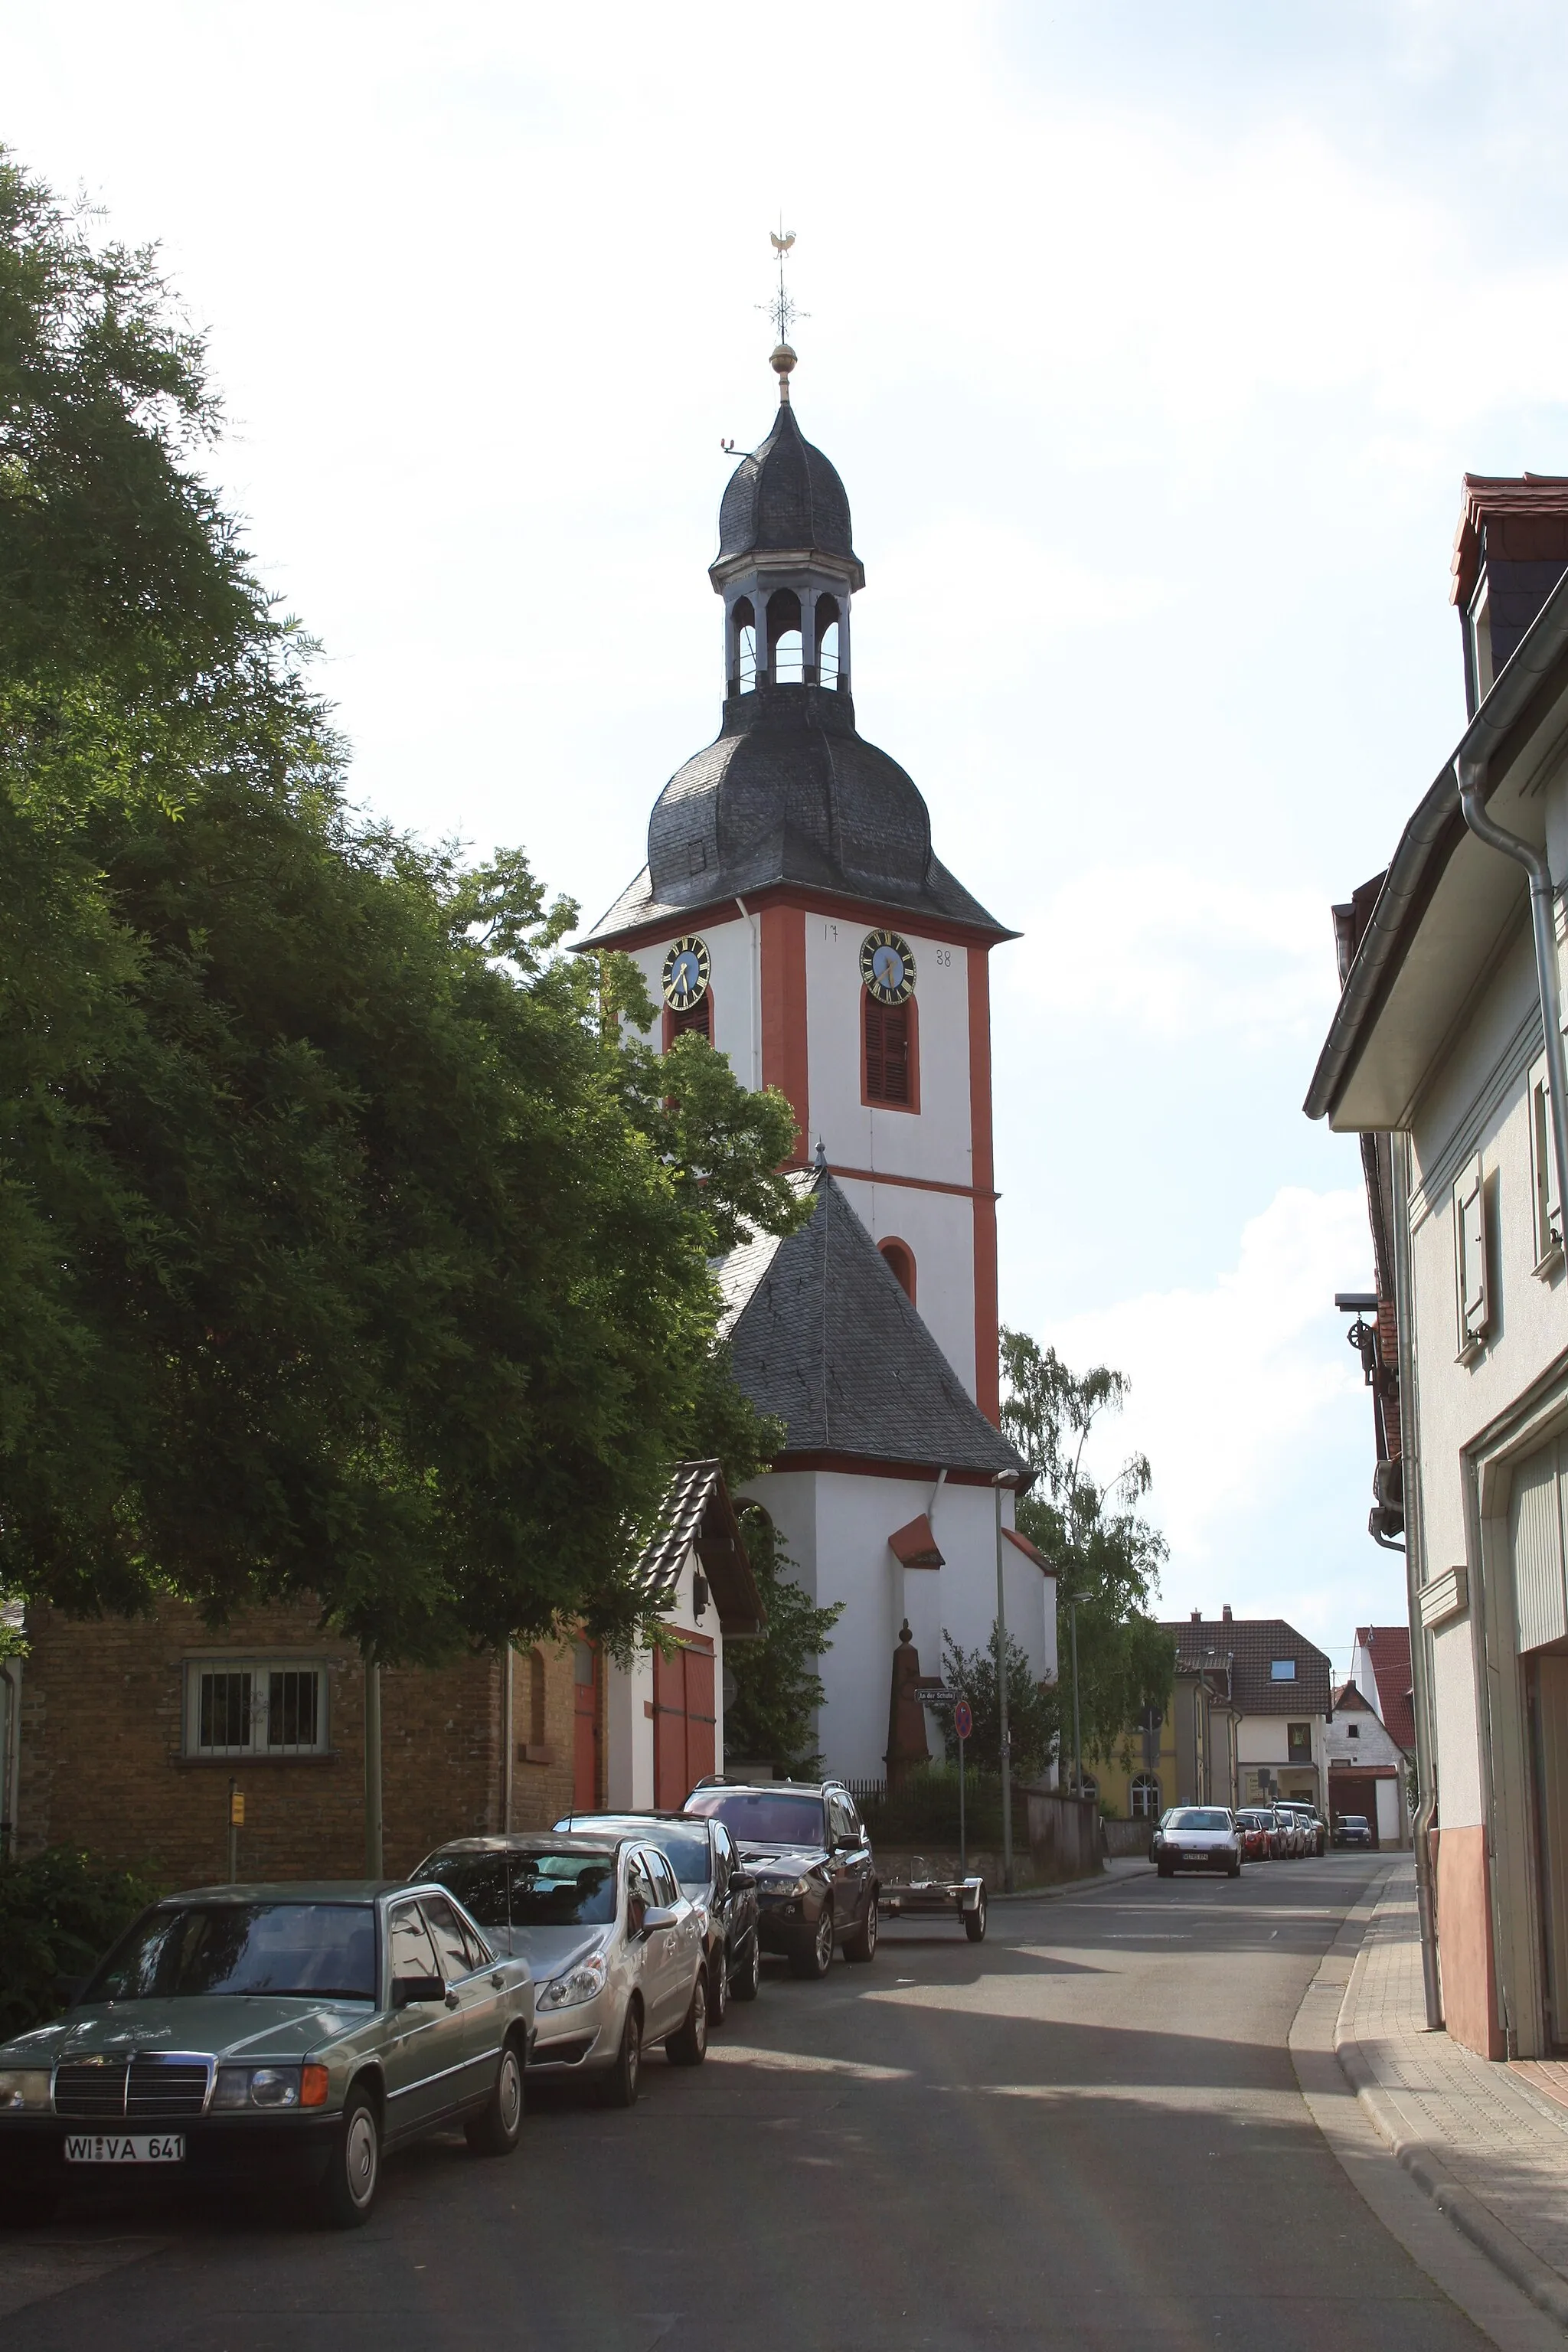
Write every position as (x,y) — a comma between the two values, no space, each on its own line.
(963,1719)
(931,1691)
(236,1809)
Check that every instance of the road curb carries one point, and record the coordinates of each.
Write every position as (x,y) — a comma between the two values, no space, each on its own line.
(1100,1884)
(1544,2286)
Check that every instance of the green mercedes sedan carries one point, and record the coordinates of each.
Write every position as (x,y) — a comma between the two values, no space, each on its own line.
(296,2030)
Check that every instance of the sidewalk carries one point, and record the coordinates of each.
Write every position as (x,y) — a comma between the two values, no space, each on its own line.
(1488,2143)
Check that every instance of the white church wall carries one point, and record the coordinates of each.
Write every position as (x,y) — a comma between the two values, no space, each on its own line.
(835,1526)
(934,1142)
(732,967)
(939,1228)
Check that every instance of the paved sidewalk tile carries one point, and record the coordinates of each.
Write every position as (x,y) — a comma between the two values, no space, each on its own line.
(1501,2135)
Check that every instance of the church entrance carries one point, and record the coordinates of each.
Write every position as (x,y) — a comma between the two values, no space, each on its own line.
(684,1719)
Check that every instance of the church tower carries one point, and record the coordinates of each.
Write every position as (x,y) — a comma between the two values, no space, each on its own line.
(794,911)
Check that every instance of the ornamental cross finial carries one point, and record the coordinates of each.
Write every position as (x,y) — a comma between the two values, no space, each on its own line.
(781,310)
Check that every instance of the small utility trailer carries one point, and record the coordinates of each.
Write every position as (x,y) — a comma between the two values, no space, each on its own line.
(951,1898)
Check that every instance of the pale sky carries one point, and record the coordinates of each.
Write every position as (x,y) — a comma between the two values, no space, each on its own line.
(1152,341)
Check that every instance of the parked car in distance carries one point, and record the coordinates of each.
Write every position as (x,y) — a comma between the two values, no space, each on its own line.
(1309,1828)
(616,1949)
(298,2031)
(1199,1837)
(702,1855)
(1353,1829)
(1284,1837)
(817,1876)
(1254,1835)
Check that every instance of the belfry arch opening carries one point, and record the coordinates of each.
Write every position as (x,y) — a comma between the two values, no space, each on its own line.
(743,645)
(829,641)
(786,651)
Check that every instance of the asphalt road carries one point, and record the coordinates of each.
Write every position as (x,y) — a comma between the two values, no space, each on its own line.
(1085,2131)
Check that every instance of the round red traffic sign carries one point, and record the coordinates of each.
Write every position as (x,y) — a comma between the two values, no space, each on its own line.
(962,1720)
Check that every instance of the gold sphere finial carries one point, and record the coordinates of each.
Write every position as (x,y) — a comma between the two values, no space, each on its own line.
(782,360)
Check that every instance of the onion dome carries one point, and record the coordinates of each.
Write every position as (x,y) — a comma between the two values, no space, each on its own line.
(786,496)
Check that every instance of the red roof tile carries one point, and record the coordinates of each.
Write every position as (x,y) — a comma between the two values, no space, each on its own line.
(1388,1647)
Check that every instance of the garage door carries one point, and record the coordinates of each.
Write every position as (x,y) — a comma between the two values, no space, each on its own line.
(684,1719)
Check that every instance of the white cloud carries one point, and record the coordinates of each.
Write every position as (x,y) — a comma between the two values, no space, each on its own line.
(1167,951)
(1236,1386)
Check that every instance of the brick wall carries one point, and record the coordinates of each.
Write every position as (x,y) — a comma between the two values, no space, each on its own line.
(103,1766)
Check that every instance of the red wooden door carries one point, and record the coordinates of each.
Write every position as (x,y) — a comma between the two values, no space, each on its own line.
(586,1727)
(683,1718)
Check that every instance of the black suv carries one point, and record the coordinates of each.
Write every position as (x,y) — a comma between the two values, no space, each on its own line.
(817,1880)
(703,1858)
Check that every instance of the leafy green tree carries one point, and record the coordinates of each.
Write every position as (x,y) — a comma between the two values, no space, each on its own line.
(1107,1557)
(778,1688)
(346,1248)
(1033,1709)
(59,1911)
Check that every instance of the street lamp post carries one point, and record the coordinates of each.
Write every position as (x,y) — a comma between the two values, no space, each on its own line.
(996,1484)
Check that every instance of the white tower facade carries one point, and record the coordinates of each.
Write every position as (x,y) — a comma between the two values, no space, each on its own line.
(794,912)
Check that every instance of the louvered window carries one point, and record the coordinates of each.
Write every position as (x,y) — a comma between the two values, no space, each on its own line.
(698,1017)
(886,1051)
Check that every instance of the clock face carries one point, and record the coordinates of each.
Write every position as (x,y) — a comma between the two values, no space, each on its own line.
(888,967)
(685,974)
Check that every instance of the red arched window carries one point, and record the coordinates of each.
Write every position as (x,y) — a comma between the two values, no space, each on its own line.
(901,1264)
(889,1061)
(698,1017)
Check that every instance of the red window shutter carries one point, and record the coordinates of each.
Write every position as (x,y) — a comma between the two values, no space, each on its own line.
(698,1016)
(886,1051)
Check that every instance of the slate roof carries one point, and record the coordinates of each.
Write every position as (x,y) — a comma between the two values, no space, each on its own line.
(785,495)
(821,1334)
(1388,1647)
(789,792)
(1249,1645)
(697,1510)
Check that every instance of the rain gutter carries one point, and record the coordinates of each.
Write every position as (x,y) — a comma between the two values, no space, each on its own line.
(1494,738)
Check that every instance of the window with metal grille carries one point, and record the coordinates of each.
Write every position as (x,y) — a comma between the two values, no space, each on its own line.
(889,1070)
(255,1706)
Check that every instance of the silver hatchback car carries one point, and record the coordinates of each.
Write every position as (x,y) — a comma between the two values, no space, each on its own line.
(614,1948)
(1199,1837)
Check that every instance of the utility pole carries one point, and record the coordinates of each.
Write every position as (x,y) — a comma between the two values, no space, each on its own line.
(996,1484)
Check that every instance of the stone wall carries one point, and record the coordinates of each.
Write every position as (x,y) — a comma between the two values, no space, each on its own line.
(103,1763)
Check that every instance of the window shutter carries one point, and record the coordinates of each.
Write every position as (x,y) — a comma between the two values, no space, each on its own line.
(698,1016)
(886,1051)
(1546,1192)
(1470,1256)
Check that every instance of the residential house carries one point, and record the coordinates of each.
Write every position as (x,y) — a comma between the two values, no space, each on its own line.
(1380,1667)
(1367,1768)
(1245,1721)
(1442,1049)
(133,1734)
(663,1708)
